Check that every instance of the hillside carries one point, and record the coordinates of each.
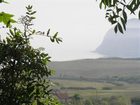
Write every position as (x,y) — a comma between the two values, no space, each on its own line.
(125,45)
(96,68)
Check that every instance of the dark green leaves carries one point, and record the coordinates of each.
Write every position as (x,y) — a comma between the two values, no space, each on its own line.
(29,10)
(116,12)
(24,70)
(118,18)
(139,15)
(123,23)
(120,26)
(27,22)
(48,32)
(3,1)
(55,38)
(116,29)
(107,3)
(133,6)
(124,16)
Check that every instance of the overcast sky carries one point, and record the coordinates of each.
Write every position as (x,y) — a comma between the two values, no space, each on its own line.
(80,23)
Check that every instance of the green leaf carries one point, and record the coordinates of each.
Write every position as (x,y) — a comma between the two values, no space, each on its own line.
(114,2)
(33,32)
(109,10)
(139,15)
(136,7)
(58,40)
(115,16)
(52,39)
(100,5)
(3,1)
(129,7)
(32,13)
(118,9)
(6,18)
(124,1)
(116,29)
(113,22)
(124,16)
(11,32)
(55,35)
(123,23)
(120,27)
(48,32)
(32,17)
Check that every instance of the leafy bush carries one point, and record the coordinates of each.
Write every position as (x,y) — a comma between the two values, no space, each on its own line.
(23,70)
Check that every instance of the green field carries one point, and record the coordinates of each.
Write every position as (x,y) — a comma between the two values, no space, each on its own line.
(99,79)
(129,90)
(77,83)
(97,68)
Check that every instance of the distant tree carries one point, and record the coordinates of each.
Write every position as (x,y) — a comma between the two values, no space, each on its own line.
(23,70)
(76,99)
(117,12)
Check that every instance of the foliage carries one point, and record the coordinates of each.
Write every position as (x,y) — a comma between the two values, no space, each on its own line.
(23,70)
(3,1)
(116,11)
(76,97)
(6,18)
(103,100)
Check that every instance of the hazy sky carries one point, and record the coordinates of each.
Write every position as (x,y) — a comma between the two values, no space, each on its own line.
(80,23)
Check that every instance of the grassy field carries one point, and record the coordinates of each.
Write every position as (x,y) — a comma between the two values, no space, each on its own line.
(98,77)
(77,83)
(129,90)
(97,68)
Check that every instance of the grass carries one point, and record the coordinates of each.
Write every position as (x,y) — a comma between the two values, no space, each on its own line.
(95,69)
(129,90)
(77,83)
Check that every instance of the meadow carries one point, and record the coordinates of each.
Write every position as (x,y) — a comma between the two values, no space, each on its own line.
(88,88)
(102,78)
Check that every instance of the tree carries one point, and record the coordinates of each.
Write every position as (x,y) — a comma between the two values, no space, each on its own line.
(117,12)
(76,99)
(23,70)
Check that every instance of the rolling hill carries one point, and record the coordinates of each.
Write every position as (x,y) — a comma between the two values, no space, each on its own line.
(97,68)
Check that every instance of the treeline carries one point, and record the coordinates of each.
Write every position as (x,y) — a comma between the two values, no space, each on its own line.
(117,79)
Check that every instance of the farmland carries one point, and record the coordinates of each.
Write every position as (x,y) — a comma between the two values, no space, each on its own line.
(86,88)
(98,77)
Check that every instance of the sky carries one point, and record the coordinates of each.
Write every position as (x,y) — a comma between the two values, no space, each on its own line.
(80,23)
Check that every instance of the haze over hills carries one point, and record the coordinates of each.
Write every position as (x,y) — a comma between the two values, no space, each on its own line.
(122,52)
(119,45)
